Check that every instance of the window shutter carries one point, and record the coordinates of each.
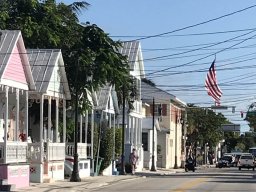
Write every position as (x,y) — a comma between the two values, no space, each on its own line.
(164,109)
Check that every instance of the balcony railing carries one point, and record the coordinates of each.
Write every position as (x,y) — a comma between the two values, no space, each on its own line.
(16,152)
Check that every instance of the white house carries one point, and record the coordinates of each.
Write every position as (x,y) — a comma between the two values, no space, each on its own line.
(46,152)
(133,130)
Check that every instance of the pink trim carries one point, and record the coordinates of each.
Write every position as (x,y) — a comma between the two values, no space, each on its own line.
(14,70)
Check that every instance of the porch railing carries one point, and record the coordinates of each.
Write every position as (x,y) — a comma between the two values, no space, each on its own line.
(55,151)
(16,152)
(34,152)
(82,149)
(37,152)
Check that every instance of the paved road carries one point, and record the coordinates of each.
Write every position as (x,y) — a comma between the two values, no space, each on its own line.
(213,179)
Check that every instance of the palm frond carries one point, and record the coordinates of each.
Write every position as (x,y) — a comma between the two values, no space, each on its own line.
(78,6)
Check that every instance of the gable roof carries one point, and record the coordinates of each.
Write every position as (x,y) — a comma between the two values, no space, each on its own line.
(43,64)
(132,50)
(148,92)
(102,97)
(11,43)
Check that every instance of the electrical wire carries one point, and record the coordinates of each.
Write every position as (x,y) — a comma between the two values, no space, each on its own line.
(195,25)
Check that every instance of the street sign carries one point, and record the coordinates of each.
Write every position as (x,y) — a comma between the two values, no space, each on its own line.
(231,127)
(219,107)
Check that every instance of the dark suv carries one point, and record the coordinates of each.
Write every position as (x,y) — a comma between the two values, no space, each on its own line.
(224,161)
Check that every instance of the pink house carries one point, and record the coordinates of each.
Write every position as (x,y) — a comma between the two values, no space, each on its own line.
(15,82)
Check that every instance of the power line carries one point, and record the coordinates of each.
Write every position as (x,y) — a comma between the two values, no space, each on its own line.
(184,35)
(195,25)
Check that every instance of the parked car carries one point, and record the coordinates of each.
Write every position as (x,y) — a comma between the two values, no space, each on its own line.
(68,166)
(246,161)
(225,161)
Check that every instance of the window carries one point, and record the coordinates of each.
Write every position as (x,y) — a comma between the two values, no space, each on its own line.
(158,110)
(145,141)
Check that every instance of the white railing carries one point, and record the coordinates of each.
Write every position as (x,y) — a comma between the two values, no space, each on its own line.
(16,152)
(55,151)
(81,149)
(137,106)
(39,152)
(34,152)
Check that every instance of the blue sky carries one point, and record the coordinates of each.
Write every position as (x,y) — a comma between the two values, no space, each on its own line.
(235,59)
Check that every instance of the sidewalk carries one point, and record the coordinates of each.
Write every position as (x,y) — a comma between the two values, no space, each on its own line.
(94,182)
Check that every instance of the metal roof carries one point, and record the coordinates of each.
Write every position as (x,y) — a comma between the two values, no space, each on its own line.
(9,39)
(103,95)
(43,62)
(148,92)
(132,50)
(147,123)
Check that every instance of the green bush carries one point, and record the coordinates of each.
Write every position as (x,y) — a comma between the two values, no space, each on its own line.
(118,142)
(106,148)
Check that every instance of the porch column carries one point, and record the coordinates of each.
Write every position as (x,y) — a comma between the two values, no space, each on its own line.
(127,129)
(132,130)
(64,120)
(6,123)
(86,126)
(49,117)
(17,114)
(41,117)
(26,115)
(140,134)
(81,128)
(41,126)
(57,121)
(114,137)
(136,128)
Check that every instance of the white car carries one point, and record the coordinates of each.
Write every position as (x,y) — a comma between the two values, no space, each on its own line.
(246,161)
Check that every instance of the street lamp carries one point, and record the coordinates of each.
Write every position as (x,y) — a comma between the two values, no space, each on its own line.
(153,167)
(75,173)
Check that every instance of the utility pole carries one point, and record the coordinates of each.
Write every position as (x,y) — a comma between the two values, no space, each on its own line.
(153,167)
(185,133)
(175,158)
(122,171)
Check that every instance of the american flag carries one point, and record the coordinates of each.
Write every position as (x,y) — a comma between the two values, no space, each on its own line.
(211,84)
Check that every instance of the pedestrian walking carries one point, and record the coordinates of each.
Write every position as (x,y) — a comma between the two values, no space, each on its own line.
(133,160)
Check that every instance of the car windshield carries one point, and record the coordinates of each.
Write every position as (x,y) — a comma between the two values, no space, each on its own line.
(246,157)
(226,158)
